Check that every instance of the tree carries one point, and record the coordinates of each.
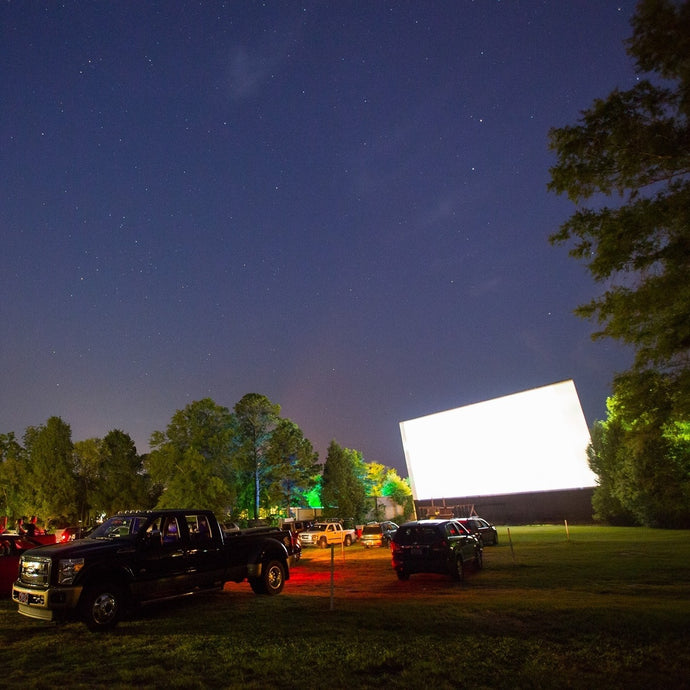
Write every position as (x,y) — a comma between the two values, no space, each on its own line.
(375,479)
(87,465)
(343,489)
(635,146)
(634,486)
(12,478)
(626,165)
(51,474)
(122,482)
(292,465)
(191,461)
(398,490)
(257,417)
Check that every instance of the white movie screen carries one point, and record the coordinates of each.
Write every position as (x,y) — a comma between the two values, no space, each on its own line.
(530,441)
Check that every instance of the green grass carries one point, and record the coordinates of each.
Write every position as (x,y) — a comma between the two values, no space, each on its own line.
(608,607)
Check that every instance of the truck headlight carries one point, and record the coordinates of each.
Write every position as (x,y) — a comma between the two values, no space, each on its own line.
(68,569)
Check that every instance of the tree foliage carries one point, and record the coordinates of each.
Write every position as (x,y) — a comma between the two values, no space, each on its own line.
(292,465)
(51,480)
(191,461)
(343,488)
(247,463)
(257,417)
(634,147)
(626,165)
(12,477)
(642,462)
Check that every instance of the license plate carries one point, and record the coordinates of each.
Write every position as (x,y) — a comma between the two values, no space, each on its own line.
(416,552)
(23,597)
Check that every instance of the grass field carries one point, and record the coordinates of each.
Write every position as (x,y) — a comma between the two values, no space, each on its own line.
(604,608)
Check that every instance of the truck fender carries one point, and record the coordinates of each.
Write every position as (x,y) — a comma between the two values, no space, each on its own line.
(267,550)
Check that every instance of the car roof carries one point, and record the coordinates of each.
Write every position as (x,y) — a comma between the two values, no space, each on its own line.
(422,523)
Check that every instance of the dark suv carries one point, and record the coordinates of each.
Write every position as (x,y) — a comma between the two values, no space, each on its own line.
(435,546)
(486,532)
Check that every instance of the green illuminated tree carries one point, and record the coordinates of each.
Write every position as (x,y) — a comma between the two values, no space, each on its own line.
(642,461)
(398,490)
(292,465)
(343,488)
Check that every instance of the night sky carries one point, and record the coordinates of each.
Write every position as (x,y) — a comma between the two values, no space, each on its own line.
(339,205)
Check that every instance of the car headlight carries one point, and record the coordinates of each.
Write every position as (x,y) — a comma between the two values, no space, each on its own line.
(68,569)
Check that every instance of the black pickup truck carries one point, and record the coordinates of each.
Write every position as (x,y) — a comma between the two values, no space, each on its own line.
(138,557)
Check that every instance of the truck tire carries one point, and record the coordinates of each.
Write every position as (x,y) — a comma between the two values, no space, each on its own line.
(323,542)
(101,606)
(348,540)
(272,579)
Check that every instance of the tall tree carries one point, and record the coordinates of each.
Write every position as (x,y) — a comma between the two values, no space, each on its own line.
(292,465)
(257,417)
(87,466)
(343,488)
(123,482)
(626,165)
(634,146)
(51,472)
(375,479)
(191,460)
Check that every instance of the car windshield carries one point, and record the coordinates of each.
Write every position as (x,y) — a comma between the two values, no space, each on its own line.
(118,527)
(320,528)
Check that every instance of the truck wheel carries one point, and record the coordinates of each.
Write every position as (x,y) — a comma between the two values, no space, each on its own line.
(323,542)
(102,606)
(348,540)
(271,580)
(402,575)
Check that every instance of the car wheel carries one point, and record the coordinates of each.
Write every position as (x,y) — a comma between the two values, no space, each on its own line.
(348,540)
(402,575)
(479,559)
(102,606)
(271,581)
(496,539)
(458,569)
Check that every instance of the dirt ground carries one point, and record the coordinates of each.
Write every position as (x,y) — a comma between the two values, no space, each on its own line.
(358,572)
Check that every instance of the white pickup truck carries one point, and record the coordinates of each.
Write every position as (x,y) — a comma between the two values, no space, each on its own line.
(325,534)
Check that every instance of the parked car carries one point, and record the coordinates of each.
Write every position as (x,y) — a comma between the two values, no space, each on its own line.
(378,533)
(435,546)
(298,525)
(488,534)
(12,546)
(66,534)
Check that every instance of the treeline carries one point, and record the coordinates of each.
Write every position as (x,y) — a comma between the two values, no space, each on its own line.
(242,464)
